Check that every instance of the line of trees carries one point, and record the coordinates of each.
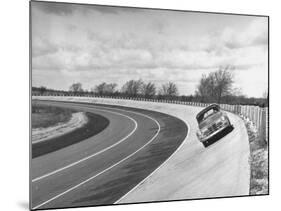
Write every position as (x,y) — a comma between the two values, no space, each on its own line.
(132,88)
(216,87)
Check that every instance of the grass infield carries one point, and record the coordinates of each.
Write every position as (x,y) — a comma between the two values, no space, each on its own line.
(96,123)
(45,116)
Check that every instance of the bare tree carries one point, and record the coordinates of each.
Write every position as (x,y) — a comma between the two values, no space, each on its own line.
(76,87)
(223,79)
(169,89)
(42,89)
(99,88)
(216,85)
(111,88)
(105,88)
(205,88)
(148,89)
(132,87)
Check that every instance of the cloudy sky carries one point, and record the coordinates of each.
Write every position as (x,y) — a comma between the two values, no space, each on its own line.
(94,44)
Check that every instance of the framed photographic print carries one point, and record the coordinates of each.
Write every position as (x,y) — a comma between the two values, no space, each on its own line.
(135,105)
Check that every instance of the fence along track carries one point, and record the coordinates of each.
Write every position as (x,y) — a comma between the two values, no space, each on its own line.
(257,115)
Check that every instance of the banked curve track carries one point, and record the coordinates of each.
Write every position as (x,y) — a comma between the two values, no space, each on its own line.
(101,169)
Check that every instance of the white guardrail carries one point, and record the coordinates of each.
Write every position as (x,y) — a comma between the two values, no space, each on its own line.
(257,115)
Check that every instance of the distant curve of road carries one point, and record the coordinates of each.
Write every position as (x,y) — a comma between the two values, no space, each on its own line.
(101,169)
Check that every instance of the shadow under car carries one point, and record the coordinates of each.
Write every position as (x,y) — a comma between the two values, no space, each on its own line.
(218,136)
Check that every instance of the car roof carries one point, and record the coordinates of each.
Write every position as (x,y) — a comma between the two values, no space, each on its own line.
(212,106)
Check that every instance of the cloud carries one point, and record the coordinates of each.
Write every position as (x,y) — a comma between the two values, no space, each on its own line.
(54,8)
(66,9)
(48,62)
(255,34)
(42,46)
(114,54)
(112,9)
(111,44)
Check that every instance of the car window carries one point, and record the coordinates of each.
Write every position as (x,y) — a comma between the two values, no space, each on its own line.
(204,114)
(209,113)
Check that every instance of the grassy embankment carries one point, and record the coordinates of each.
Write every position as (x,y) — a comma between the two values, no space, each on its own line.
(258,161)
(46,116)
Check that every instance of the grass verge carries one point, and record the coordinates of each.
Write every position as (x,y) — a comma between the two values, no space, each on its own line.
(45,116)
(96,123)
(258,162)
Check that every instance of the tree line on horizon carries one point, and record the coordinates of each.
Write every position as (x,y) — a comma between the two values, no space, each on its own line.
(215,87)
(132,88)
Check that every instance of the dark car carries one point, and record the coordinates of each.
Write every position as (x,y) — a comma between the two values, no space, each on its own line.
(211,121)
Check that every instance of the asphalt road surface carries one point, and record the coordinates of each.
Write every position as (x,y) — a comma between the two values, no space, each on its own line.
(103,168)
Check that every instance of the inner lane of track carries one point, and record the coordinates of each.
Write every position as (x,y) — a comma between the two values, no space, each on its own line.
(147,139)
(102,141)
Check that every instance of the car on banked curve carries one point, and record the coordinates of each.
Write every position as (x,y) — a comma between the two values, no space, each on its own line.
(212,123)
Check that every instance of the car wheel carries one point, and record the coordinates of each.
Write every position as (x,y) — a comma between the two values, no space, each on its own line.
(231,127)
(205,144)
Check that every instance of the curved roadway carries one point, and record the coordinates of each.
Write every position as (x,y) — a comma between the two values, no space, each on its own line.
(103,168)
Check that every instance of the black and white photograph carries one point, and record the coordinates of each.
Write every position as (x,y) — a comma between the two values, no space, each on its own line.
(136,105)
